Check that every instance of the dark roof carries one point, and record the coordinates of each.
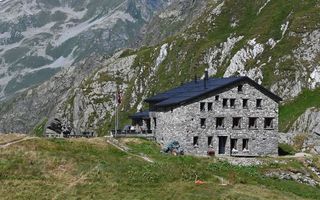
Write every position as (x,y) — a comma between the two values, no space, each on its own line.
(193,90)
(140,115)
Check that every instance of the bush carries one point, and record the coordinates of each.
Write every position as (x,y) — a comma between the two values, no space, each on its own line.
(286,149)
(40,128)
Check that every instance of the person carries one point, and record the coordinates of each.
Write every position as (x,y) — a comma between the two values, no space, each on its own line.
(144,127)
(132,129)
(138,128)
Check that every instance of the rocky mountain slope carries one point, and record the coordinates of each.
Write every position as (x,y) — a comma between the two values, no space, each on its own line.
(276,43)
(40,37)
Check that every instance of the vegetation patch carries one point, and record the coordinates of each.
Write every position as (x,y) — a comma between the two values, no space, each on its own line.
(299,140)
(40,128)
(127,52)
(29,80)
(286,149)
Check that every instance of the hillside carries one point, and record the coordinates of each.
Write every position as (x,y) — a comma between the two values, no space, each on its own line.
(93,169)
(276,43)
(39,38)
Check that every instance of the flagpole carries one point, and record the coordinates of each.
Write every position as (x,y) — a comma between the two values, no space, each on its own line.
(115,115)
(118,99)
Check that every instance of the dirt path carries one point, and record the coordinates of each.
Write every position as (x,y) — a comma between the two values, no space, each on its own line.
(298,155)
(125,149)
(4,145)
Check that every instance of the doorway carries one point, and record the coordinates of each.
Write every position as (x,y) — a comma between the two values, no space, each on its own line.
(222,144)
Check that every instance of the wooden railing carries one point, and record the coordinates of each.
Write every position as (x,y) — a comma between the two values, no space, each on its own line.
(124,132)
(131,133)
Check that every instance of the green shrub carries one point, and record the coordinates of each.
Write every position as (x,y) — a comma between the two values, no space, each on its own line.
(40,128)
(286,149)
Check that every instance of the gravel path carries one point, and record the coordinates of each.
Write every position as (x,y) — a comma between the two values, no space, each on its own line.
(4,145)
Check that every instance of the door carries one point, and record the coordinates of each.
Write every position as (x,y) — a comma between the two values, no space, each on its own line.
(222,144)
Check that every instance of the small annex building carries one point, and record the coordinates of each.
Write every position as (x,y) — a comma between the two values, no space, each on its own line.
(232,116)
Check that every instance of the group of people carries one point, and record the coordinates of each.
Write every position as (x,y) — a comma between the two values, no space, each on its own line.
(135,128)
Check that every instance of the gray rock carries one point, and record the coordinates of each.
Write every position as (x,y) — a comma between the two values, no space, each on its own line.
(298,177)
(317,149)
(308,122)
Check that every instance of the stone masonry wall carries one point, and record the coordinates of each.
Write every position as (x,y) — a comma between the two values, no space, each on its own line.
(183,123)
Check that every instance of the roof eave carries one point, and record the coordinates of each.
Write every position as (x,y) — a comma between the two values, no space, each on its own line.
(272,95)
(150,100)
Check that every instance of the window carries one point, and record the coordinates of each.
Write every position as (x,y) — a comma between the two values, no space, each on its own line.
(244,103)
(234,145)
(203,122)
(210,138)
(217,97)
(253,123)
(236,123)
(245,145)
(155,122)
(225,103)
(220,123)
(232,103)
(202,106)
(210,106)
(268,123)
(259,103)
(240,88)
(195,141)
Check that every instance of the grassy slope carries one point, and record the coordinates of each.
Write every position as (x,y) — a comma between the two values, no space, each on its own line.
(73,169)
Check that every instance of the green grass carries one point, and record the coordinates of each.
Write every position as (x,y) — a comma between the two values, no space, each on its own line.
(10,56)
(290,111)
(92,169)
(40,128)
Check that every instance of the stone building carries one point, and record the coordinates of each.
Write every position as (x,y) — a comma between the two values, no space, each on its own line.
(226,116)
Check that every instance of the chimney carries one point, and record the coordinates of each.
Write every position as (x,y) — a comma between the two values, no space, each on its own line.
(206,77)
(195,79)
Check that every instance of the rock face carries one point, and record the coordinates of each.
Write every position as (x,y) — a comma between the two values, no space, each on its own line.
(175,18)
(308,122)
(27,109)
(90,104)
(38,38)
(202,34)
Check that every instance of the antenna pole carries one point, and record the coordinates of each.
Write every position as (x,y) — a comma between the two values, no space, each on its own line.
(115,113)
